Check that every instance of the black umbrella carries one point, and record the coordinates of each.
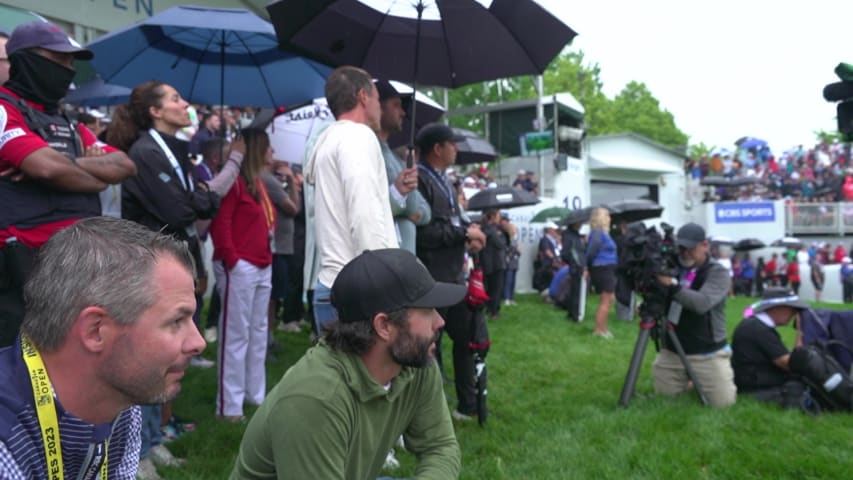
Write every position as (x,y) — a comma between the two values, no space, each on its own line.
(788,242)
(446,43)
(578,216)
(473,149)
(502,196)
(729,182)
(634,210)
(748,244)
(720,240)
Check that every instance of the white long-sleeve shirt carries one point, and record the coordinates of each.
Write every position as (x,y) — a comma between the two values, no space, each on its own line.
(352,213)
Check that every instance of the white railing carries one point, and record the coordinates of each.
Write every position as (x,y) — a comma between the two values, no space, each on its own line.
(819,218)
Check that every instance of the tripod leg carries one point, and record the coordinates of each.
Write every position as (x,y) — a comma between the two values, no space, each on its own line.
(690,373)
(634,368)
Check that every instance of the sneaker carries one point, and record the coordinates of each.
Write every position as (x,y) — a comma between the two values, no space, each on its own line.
(201,362)
(605,334)
(147,470)
(289,327)
(507,303)
(457,415)
(160,455)
(391,461)
(210,334)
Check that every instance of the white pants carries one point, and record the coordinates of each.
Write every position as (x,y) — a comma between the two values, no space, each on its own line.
(245,294)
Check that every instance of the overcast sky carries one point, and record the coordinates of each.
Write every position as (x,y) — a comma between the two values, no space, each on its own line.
(725,68)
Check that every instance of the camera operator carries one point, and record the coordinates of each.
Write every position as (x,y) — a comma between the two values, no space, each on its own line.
(698,315)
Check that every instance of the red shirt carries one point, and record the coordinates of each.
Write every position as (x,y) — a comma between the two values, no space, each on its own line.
(241,229)
(793,271)
(17,141)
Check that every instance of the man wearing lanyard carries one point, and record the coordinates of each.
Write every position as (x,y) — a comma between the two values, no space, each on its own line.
(441,247)
(108,326)
(52,168)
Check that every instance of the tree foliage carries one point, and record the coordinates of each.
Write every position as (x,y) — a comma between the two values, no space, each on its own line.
(634,109)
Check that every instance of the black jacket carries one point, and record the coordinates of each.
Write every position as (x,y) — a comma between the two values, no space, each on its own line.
(574,251)
(155,197)
(493,255)
(440,243)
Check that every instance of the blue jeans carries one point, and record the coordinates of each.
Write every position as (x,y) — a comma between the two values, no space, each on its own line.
(509,284)
(151,434)
(324,312)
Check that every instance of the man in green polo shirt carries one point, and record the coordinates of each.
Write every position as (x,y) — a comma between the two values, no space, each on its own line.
(338,411)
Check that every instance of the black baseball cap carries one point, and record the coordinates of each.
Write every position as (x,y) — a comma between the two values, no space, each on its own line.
(434,133)
(386,90)
(387,280)
(47,36)
(779,297)
(690,235)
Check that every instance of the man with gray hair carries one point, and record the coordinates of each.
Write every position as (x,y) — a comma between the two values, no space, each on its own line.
(108,326)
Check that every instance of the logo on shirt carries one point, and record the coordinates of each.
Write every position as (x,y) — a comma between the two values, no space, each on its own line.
(13,133)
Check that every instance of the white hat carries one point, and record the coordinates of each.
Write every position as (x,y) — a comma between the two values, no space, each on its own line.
(551,226)
(95,113)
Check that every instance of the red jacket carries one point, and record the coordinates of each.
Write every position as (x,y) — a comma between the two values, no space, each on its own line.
(241,228)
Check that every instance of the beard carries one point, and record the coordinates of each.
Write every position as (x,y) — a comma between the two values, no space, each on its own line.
(411,351)
(136,379)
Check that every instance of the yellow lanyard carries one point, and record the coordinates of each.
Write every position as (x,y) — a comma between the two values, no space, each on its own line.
(46,411)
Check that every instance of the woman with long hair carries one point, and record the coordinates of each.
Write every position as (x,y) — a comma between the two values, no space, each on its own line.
(602,259)
(242,261)
(163,197)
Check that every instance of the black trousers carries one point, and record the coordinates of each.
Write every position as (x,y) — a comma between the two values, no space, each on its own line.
(294,309)
(16,263)
(494,283)
(574,301)
(458,323)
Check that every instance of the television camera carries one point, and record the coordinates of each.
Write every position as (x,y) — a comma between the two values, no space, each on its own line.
(649,253)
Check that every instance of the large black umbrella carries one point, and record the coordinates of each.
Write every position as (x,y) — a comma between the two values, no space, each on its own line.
(729,182)
(788,242)
(473,149)
(748,244)
(447,43)
(580,215)
(502,196)
(634,210)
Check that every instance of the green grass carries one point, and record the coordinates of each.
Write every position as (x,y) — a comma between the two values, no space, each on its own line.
(553,390)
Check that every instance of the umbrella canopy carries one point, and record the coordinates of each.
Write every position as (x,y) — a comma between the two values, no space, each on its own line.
(721,240)
(457,42)
(580,215)
(551,214)
(634,210)
(211,56)
(428,112)
(748,244)
(729,182)
(96,93)
(747,143)
(473,149)
(502,196)
(788,242)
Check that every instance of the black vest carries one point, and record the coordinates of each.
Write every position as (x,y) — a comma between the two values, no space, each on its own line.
(694,330)
(27,204)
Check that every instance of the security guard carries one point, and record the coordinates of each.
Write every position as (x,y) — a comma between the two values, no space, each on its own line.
(51,168)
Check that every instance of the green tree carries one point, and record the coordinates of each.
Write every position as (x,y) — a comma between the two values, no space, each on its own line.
(636,110)
(698,150)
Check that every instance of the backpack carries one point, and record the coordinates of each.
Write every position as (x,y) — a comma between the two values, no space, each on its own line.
(830,384)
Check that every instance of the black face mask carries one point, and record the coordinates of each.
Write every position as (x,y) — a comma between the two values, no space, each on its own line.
(38,79)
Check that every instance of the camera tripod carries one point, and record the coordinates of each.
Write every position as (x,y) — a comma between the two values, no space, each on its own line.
(647,324)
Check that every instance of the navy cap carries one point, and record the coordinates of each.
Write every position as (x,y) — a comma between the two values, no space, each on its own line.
(436,133)
(690,235)
(47,36)
(387,280)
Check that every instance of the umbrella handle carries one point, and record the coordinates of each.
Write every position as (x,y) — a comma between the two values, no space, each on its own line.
(410,158)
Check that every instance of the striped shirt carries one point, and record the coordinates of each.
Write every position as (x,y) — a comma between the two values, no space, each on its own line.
(21,448)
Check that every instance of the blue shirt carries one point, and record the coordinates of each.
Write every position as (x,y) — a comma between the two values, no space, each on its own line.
(21,446)
(604,252)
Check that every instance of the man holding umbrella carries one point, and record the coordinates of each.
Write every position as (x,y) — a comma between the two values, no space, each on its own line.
(62,165)
(441,246)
